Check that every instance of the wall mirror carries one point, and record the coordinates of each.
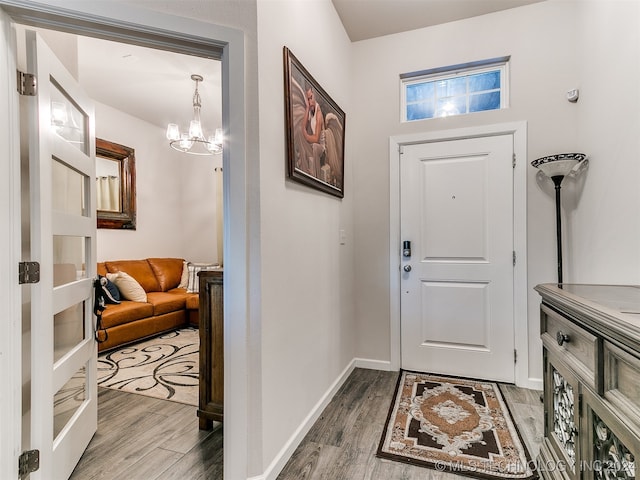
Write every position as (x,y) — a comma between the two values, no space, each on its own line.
(115,185)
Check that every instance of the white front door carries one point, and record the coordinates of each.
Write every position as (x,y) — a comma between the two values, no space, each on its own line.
(63,241)
(457,314)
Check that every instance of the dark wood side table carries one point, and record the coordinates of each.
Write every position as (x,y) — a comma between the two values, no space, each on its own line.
(211,311)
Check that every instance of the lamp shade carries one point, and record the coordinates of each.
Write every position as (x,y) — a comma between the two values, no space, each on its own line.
(558,165)
(173,132)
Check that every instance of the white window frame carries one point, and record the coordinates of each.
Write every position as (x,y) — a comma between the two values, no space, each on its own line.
(454,71)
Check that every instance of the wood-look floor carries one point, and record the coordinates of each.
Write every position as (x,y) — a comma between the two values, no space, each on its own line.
(342,443)
(140,438)
(143,438)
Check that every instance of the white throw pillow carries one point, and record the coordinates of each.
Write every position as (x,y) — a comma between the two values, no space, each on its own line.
(184,280)
(194,282)
(129,288)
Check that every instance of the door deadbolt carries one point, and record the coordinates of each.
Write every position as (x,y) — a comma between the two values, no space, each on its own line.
(406,249)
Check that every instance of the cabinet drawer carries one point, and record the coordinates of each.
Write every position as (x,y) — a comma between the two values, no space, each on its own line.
(574,345)
(622,382)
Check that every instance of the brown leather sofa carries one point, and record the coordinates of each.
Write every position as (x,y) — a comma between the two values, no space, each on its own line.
(167,306)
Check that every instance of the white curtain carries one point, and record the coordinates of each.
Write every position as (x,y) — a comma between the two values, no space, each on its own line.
(108,193)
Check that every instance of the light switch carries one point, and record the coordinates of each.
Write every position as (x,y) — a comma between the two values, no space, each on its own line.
(343,237)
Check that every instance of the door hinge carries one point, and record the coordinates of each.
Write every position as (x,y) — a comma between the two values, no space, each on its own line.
(401,149)
(27,84)
(515,356)
(513,161)
(28,462)
(28,272)
(514,258)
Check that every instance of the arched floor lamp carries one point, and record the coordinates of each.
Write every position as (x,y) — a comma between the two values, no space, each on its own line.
(557,167)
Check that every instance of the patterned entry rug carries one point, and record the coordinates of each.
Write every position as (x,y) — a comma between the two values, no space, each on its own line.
(163,367)
(453,424)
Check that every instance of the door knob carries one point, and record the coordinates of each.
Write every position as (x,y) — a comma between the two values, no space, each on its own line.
(562,338)
(407,268)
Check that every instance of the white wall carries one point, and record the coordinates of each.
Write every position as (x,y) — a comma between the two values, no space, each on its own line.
(308,334)
(541,41)
(198,199)
(604,228)
(175,196)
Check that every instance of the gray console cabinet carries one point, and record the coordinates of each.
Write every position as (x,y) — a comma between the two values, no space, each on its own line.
(591,352)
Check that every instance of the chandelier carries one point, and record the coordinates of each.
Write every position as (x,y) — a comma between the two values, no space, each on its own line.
(194,142)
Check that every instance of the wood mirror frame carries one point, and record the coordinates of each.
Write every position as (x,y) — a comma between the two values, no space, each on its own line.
(125,156)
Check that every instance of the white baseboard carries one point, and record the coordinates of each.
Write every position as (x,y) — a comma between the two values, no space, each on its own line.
(532,383)
(281,459)
(373,364)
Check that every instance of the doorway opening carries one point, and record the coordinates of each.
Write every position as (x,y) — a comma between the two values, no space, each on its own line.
(200,39)
(136,92)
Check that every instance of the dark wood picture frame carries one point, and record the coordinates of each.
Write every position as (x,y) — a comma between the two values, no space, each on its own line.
(314,159)
(125,156)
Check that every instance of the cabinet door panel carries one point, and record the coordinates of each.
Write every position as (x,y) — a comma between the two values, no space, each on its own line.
(561,410)
(609,448)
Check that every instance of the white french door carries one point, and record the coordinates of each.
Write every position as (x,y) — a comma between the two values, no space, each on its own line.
(61,141)
(10,244)
(457,305)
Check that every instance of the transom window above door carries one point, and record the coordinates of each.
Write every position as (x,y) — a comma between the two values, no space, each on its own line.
(455,90)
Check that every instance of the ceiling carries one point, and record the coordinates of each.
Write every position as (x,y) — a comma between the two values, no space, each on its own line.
(364,19)
(150,84)
(155,85)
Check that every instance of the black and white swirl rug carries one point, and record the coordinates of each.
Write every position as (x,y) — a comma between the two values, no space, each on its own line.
(163,367)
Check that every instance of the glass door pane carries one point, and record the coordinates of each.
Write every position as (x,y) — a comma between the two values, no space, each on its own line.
(68,192)
(68,400)
(69,260)
(67,120)
(68,330)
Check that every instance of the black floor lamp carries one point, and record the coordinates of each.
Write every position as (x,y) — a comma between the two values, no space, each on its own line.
(557,167)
